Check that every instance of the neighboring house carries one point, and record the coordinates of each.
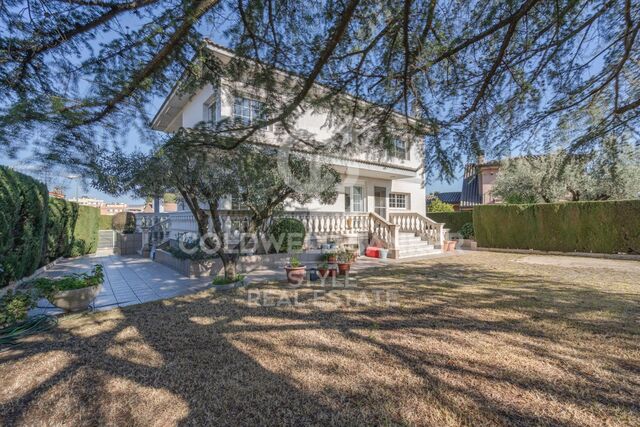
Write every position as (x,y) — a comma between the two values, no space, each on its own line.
(112,208)
(450,197)
(88,201)
(477,184)
(377,187)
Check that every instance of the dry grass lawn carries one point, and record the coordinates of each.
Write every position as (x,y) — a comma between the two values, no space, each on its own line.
(479,339)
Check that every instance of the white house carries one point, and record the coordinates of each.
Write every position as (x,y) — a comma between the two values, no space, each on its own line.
(381,193)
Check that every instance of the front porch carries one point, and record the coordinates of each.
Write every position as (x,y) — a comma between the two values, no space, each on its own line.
(404,234)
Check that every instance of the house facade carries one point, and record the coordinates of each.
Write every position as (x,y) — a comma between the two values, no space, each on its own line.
(384,186)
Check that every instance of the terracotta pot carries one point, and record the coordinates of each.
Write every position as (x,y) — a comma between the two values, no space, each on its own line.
(295,275)
(325,273)
(343,267)
(76,299)
(449,245)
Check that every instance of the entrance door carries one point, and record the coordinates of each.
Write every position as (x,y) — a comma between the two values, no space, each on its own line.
(380,201)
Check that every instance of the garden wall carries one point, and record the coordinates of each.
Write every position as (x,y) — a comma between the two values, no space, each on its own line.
(23,220)
(452,220)
(601,227)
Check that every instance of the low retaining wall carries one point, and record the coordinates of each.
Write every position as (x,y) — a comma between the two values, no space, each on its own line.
(214,267)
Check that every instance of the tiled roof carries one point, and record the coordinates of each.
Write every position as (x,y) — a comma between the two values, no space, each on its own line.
(452,197)
(470,188)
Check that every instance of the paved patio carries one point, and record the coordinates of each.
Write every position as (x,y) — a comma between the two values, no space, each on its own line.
(128,280)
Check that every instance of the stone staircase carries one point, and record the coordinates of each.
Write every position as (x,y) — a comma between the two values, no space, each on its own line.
(411,245)
(106,242)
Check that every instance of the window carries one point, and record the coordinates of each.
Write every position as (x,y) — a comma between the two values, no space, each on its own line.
(247,110)
(211,109)
(400,150)
(354,199)
(236,203)
(398,201)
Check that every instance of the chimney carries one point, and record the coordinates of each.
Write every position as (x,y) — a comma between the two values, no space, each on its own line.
(480,157)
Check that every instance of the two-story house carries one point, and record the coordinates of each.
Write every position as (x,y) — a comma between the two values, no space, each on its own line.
(380,189)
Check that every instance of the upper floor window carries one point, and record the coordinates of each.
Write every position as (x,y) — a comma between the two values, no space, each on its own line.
(212,108)
(400,150)
(354,200)
(247,110)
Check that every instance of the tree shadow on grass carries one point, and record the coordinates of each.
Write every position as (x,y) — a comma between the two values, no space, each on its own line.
(462,344)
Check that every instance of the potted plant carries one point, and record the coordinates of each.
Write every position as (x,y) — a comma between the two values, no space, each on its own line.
(72,293)
(324,271)
(344,262)
(295,271)
(467,236)
(330,257)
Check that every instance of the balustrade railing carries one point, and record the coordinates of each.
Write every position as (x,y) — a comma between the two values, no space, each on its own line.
(413,222)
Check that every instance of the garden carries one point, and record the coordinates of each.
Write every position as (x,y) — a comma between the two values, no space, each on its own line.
(479,339)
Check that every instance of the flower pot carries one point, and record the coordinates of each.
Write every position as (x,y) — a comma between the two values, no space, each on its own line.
(449,245)
(383,253)
(326,272)
(76,299)
(343,268)
(295,275)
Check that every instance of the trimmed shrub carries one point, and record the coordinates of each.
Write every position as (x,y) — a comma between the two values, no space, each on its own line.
(61,221)
(23,219)
(124,222)
(452,220)
(85,232)
(438,205)
(601,227)
(106,222)
(290,232)
(466,231)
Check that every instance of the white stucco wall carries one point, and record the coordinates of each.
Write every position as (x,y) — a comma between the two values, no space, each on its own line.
(195,111)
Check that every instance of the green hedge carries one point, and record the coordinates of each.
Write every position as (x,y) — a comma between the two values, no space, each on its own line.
(452,220)
(61,221)
(600,227)
(85,232)
(23,219)
(106,222)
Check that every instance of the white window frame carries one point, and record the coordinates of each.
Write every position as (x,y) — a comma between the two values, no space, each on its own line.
(395,152)
(395,198)
(348,192)
(211,108)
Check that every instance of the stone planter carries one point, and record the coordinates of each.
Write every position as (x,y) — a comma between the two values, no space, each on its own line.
(295,275)
(469,244)
(76,299)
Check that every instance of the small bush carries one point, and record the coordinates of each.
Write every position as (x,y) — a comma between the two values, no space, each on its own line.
(466,231)
(124,222)
(221,280)
(290,232)
(14,307)
(438,205)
